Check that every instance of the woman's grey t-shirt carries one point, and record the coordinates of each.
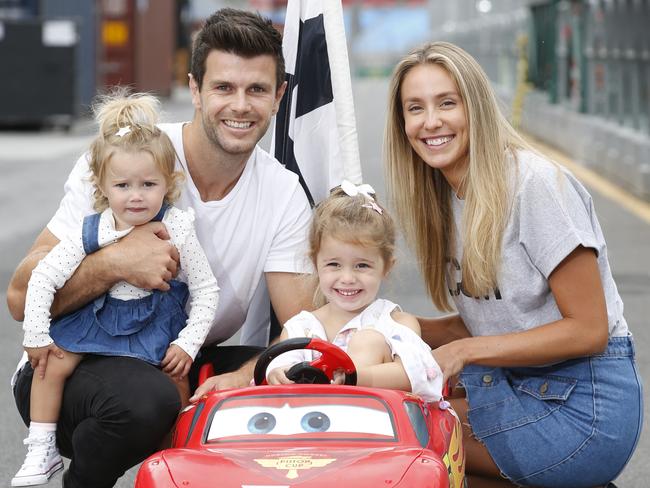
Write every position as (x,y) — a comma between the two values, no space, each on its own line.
(551,215)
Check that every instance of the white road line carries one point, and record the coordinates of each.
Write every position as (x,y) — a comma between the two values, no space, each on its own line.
(606,188)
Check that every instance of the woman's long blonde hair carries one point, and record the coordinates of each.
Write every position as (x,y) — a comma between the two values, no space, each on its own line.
(139,112)
(421,194)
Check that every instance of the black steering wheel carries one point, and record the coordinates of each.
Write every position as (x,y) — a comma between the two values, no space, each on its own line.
(320,370)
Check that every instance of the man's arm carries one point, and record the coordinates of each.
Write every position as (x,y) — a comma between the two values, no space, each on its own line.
(144,258)
(290,294)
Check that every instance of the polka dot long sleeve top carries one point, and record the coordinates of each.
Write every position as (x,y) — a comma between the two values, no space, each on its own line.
(59,265)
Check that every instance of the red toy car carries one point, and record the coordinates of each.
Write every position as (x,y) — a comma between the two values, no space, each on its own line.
(310,435)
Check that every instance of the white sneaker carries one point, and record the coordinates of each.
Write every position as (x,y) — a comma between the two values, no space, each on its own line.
(41,462)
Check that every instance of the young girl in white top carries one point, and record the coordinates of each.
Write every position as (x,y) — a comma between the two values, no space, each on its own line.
(132,170)
(352,241)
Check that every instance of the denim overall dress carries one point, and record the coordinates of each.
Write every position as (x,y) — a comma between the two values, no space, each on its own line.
(141,328)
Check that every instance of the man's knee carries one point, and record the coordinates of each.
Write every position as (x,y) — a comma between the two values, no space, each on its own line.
(127,397)
(129,387)
(118,409)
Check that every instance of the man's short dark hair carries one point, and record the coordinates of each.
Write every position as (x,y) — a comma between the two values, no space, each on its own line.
(238,32)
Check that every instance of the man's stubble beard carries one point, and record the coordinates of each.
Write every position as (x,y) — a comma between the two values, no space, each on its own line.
(212,134)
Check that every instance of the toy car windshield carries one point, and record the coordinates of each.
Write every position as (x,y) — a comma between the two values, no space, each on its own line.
(284,417)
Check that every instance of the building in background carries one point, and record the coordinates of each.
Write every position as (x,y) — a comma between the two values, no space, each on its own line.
(106,42)
(574,73)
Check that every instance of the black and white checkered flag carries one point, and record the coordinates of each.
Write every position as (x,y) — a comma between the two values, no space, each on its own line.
(315,130)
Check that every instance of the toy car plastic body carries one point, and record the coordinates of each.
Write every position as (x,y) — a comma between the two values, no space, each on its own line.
(310,436)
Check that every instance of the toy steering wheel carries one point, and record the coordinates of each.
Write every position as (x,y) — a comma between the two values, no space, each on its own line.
(320,370)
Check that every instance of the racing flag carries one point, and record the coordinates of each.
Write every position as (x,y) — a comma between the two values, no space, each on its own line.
(315,130)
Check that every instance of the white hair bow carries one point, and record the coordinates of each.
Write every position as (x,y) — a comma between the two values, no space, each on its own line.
(353,190)
(366,190)
(123,131)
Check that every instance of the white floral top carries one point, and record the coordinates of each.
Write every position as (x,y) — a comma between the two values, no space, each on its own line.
(422,370)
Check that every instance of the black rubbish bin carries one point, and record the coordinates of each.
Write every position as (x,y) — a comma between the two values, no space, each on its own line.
(37,62)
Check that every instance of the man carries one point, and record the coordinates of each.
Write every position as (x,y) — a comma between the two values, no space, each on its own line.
(251,219)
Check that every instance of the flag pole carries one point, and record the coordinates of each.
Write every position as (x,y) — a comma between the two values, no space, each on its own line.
(342,89)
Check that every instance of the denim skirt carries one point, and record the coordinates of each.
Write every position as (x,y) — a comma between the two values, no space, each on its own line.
(141,328)
(573,424)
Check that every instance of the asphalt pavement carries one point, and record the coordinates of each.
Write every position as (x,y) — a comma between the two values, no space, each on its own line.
(34,166)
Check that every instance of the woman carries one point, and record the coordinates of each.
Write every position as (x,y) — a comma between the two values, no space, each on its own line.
(552,396)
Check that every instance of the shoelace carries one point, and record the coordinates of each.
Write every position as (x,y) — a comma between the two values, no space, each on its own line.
(38,449)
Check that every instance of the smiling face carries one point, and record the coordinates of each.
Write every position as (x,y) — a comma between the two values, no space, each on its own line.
(349,274)
(435,121)
(236,101)
(134,186)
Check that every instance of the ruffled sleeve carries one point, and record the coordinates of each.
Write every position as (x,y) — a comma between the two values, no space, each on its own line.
(201,283)
(423,371)
(49,275)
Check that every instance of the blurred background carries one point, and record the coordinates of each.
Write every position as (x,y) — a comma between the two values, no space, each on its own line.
(573,75)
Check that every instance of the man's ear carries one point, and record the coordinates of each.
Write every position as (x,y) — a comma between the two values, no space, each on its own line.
(279,93)
(194,90)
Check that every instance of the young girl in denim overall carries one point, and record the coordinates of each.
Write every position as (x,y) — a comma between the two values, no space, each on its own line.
(351,246)
(550,391)
(133,172)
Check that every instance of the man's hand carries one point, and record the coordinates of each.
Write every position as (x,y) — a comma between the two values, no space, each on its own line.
(145,257)
(226,381)
(278,376)
(38,357)
(176,362)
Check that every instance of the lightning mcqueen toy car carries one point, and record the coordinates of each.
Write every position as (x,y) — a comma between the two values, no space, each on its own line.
(310,435)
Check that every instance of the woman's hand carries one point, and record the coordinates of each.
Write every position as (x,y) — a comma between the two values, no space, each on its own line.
(450,359)
(278,376)
(38,357)
(176,362)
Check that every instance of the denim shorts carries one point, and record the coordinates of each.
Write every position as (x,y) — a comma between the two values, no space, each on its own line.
(573,424)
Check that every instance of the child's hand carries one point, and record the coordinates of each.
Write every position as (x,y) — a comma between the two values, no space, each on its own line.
(38,357)
(278,376)
(176,362)
(339,377)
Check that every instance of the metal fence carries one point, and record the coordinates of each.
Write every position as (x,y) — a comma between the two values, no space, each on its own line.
(586,88)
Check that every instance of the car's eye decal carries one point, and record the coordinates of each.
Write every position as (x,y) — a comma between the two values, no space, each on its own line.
(315,422)
(299,416)
(261,423)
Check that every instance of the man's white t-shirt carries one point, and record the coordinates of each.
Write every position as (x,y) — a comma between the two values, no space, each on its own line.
(260,226)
